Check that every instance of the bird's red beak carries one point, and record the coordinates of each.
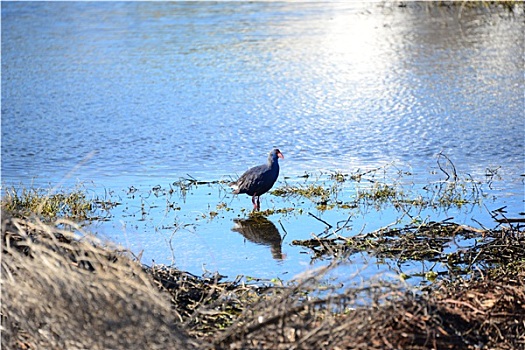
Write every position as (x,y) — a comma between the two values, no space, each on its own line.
(280,155)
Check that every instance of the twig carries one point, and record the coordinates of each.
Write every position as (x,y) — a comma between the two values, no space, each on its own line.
(459,302)
(324,222)
(455,174)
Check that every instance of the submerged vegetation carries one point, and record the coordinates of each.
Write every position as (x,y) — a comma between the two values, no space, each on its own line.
(430,242)
(63,288)
(368,188)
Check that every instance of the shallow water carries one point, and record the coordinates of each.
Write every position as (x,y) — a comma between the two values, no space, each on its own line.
(204,228)
(114,95)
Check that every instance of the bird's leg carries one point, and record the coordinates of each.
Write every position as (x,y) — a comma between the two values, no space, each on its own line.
(255,207)
(258,204)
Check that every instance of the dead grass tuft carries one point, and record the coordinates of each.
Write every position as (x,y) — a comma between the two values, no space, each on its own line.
(60,291)
(485,313)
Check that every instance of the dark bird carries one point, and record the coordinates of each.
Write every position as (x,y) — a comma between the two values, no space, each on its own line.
(258,180)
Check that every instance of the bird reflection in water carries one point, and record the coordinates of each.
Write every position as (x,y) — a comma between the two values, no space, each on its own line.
(260,230)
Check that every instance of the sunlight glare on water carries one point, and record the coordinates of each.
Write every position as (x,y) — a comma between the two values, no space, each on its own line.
(163,89)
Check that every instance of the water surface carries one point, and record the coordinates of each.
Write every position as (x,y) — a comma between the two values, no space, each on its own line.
(119,94)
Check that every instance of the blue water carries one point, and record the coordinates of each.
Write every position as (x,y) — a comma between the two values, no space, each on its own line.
(120,94)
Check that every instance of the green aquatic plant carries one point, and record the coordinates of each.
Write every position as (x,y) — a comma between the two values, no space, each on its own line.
(338,176)
(71,205)
(380,193)
(268,212)
(309,191)
(386,186)
(324,195)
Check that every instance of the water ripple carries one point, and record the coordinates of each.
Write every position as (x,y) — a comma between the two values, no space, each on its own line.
(166,89)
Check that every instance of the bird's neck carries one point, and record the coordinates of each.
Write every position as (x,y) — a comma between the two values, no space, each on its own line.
(273,162)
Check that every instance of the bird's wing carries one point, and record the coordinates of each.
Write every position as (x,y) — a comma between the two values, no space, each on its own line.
(252,178)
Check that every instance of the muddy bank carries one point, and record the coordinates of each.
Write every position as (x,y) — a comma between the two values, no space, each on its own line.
(64,289)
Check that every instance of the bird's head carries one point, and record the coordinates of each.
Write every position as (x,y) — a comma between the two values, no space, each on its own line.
(276,153)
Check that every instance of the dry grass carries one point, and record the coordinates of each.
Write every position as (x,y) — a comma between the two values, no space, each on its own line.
(462,315)
(62,290)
